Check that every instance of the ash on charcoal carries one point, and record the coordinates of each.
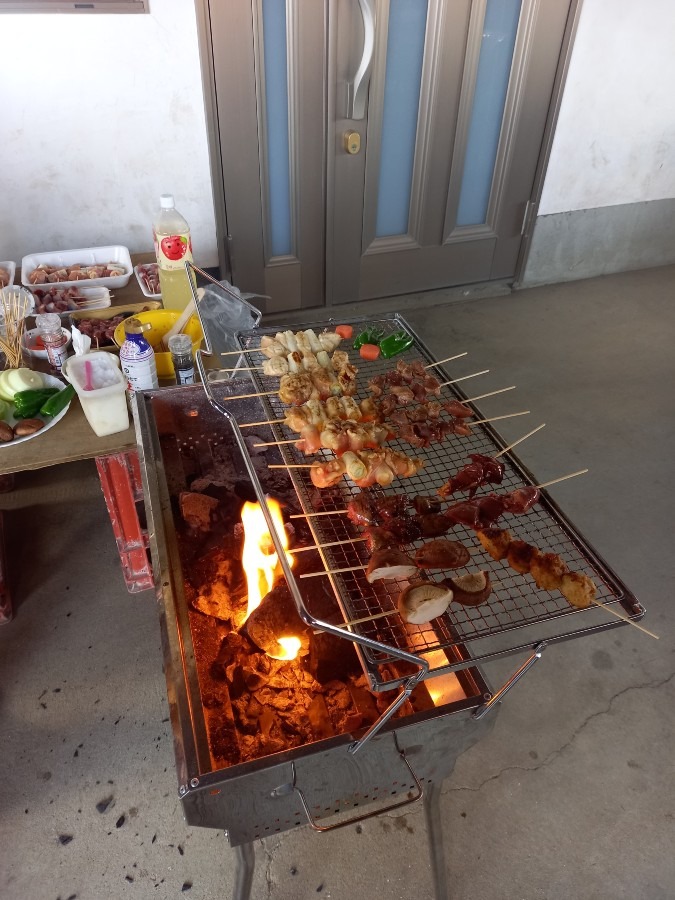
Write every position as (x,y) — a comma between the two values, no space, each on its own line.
(197,510)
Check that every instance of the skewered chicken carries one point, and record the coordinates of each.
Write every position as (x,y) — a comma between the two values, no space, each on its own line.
(482,512)
(285,342)
(481,470)
(365,468)
(549,570)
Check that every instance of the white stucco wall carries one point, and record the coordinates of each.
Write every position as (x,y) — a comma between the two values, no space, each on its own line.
(99,115)
(615,138)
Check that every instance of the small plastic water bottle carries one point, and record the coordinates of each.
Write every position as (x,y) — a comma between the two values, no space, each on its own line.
(138,357)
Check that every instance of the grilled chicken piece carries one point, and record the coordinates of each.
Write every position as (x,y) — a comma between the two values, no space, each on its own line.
(329,341)
(520,555)
(547,569)
(323,475)
(424,505)
(389,563)
(294,390)
(360,511)
(271,347)
(496,541)
(578,589)
(442,554)
(276,366)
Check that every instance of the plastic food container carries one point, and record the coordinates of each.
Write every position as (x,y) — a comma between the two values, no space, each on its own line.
(88,256)
(130,309)
(146,292)
(106,405)
(10,268)
(161,321)
(95,298)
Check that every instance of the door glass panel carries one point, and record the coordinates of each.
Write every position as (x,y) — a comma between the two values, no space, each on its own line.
(405,52)
(276,113)
(494,67)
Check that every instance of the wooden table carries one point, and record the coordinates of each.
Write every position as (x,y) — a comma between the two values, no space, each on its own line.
(73,439)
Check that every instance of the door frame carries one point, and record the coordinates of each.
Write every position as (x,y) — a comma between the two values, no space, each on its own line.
(215,141)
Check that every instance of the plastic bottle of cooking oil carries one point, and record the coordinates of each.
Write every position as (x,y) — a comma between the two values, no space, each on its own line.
(173,248)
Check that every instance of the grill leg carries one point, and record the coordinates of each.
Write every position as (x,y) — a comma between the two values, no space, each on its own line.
(244,872)
(432,812)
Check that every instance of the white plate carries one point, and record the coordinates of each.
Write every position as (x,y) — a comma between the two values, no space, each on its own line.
(88,256)
(50,382)
(10,267)
(146,293)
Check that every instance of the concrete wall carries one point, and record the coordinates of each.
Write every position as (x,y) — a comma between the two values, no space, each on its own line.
(100,115)
(607,203)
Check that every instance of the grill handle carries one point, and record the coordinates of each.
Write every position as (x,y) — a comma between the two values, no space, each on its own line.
(517,675)
(419,793)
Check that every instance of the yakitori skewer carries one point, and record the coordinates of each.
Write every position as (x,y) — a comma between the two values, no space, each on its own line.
(266,422)
(519,441)
(334,571)
(355,540)
(377,615)
(296,440)
(449,359)
(245,396)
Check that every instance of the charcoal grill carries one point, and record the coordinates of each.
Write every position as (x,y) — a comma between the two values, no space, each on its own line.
(397,759)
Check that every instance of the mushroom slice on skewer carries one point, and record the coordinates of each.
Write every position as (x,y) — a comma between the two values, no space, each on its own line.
(420,603)
(471,589)
(389,563)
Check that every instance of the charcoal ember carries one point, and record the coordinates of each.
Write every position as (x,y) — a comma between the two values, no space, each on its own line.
(211,700)
(197,510)
(331,658)
(234,675)
(253,679)
(224,596)
(319,718)
(231,647)
(224,740)
(277,617)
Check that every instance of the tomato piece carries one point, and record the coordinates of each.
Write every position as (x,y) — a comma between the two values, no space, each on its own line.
(369,352)
(345,331)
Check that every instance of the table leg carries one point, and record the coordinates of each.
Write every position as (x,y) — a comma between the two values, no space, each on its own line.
(5,598)
(120,478)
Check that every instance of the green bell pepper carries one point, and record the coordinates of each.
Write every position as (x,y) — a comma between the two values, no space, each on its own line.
(369,336)
(54,404)
(395,343)
(27,404)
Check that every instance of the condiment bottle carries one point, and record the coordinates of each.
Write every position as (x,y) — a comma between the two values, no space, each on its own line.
(138,357)
(180,346)
(173,247)
(51,332)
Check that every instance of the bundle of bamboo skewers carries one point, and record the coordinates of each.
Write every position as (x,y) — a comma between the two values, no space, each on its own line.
(14,307)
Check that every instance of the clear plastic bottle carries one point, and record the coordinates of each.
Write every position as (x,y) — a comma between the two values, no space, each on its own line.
(180,346)
(137,357)
(55,341)
(173,248)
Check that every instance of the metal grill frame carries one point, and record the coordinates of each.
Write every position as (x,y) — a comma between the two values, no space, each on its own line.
(516,618)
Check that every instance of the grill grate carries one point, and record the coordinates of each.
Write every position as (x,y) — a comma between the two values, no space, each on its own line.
(515,602)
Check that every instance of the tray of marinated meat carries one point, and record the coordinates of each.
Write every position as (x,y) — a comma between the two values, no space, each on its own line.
(100,324)
(147,276)
(7,269)
(56,299)
(99,266)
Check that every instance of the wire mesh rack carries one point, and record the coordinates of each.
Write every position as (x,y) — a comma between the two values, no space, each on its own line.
(517,613)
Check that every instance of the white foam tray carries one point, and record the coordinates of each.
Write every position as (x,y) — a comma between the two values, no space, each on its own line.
(143,288)
(10,267)
(87,256)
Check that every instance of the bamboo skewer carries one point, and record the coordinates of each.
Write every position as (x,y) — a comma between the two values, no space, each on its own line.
(491,394)
(624,618)
(245,396)
(333,571)
(325,512)
(330,544)
(464,377)
(266,422)
(379,615)
(562,478)
(244,369)
(441,361)
(239,352)
(525,412)
(519,441)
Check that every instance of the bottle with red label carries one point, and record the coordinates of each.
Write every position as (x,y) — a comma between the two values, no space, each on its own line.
(173,249)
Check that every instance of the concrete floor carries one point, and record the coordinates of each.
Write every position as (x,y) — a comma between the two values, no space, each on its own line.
(570,796)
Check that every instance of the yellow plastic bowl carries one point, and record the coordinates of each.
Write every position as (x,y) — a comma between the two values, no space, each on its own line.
(161,321)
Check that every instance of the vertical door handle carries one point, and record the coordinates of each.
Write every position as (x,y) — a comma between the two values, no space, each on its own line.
(357,88)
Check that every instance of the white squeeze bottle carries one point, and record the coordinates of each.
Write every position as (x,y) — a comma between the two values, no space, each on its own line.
(173,248)
(137,357)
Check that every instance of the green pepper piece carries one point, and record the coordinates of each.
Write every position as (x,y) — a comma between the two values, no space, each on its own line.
(371,335)
(395,343)
(53,405)
(27,403)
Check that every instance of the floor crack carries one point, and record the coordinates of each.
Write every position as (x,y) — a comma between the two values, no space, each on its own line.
(554,754)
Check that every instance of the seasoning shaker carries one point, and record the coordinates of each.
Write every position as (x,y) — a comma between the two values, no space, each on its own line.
(55,341)
(180,346)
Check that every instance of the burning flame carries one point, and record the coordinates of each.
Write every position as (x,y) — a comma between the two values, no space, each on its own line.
(289,648)
(259,558)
